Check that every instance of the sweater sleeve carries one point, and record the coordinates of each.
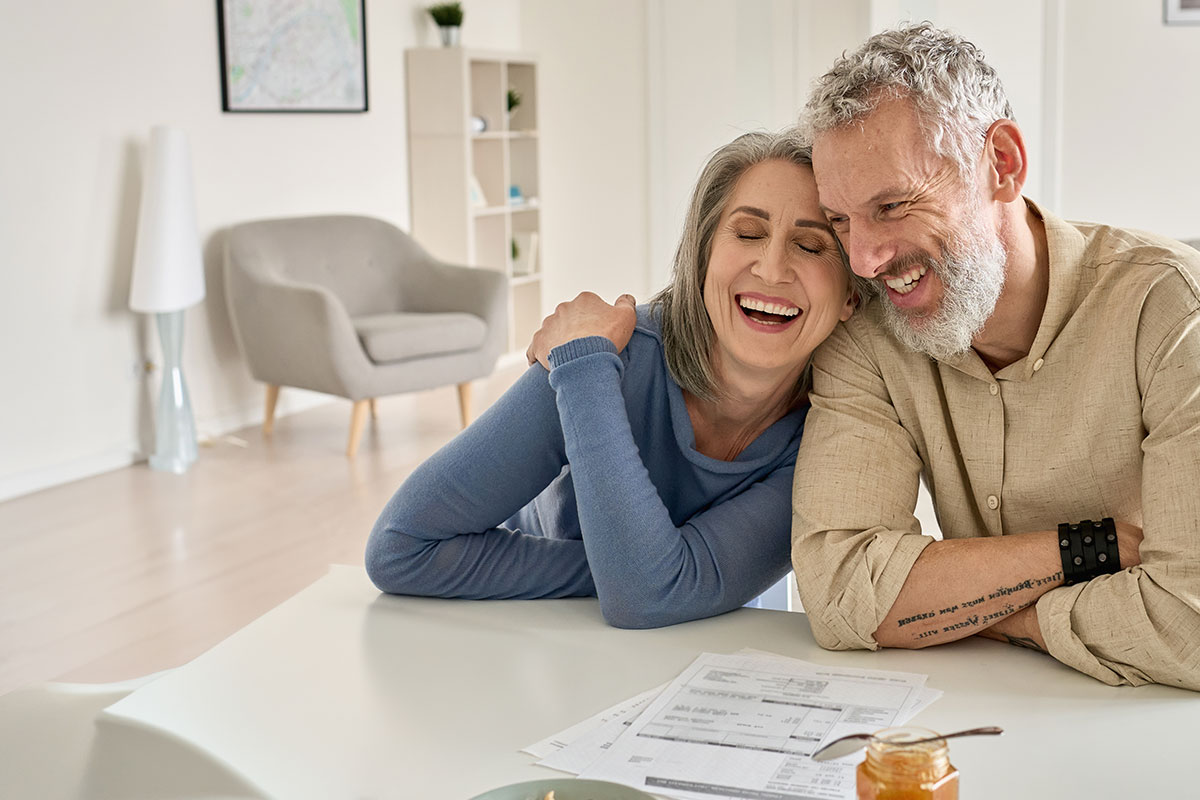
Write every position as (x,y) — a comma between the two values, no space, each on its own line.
(441,534)
(647,570)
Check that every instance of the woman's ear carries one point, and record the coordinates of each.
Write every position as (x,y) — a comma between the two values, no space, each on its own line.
(852,301)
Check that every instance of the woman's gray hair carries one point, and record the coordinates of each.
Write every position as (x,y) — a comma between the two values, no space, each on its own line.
(687,331)
(957,94)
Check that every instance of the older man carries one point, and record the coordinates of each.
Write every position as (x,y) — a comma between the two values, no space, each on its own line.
(1041,376)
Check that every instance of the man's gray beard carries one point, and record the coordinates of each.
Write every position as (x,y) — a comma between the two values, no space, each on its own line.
(971,270)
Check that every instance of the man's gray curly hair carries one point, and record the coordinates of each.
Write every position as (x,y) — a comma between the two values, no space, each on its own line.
(956,93)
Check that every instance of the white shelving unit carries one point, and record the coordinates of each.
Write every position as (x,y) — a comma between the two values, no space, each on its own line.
(460,179)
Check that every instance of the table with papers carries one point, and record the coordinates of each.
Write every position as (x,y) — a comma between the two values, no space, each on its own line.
(738,725)
(342,692)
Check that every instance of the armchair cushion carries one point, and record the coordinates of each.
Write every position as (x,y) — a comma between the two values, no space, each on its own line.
(403,336)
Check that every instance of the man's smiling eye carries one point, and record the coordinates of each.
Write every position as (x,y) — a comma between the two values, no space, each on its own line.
(891,206)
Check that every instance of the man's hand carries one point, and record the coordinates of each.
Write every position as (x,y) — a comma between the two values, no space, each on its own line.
(586,315)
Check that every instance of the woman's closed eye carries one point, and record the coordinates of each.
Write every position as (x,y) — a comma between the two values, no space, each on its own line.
(812,246)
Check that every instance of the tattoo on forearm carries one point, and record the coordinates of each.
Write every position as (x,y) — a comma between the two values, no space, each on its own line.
(914,618)
(1032,583)
(975,620)
(1024,641)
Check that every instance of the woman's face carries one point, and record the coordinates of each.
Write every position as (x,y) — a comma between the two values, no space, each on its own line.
(775,286)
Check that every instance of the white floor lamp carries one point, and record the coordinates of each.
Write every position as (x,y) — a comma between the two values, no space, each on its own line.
(168,276)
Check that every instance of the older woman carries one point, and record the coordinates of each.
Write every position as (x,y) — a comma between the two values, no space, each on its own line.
(654,473)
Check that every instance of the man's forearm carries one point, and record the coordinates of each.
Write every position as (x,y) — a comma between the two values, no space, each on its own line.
(959,587)
(1020,629)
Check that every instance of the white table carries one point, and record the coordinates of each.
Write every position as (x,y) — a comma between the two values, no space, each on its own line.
(344,693)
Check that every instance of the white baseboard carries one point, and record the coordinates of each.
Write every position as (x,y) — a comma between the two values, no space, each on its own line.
(291,401)
(37,479)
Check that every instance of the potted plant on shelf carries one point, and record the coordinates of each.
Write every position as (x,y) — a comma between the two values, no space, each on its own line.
(449,17)
(514,100)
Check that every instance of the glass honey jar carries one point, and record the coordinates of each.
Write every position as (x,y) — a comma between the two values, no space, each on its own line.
(895,771)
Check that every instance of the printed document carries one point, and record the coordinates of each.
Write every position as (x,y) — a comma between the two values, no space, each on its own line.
(743,726)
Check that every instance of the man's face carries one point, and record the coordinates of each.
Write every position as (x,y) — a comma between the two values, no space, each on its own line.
(912,228)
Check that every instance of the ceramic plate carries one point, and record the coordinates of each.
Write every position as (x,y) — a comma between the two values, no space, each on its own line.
(564,789)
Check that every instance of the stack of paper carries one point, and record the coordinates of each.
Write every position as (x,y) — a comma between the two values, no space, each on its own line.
(738,726)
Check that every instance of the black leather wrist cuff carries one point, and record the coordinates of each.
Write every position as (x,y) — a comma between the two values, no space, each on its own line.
(1088,549)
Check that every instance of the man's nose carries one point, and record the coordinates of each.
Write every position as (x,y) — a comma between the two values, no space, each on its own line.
(869,249)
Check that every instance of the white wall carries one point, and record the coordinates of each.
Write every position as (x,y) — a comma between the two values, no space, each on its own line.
(1130,116)
(592,116)
(85,82)
(717,69)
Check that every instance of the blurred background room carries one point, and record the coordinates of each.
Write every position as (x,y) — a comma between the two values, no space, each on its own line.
(110,569)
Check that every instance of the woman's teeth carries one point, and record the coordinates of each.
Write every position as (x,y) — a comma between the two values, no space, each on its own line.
(908,281)
(775,309)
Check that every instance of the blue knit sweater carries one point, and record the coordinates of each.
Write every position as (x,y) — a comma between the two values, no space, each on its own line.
(589,484)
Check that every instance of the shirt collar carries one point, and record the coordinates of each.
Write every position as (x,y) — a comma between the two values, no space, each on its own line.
(1065,247)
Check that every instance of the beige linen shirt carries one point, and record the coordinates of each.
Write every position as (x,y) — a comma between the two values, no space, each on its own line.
(1102,418)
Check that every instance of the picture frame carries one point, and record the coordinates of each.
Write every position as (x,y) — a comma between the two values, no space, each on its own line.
(305,56)
(1181,12)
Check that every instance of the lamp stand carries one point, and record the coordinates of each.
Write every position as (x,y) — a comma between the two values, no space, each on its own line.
(174,427)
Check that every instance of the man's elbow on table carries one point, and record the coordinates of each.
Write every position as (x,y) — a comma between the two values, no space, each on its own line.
(832,630)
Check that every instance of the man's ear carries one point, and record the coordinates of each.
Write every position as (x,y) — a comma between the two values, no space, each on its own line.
(1005,160)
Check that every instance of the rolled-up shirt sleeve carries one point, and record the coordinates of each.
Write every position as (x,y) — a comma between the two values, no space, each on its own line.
(1142,625)
(854,536)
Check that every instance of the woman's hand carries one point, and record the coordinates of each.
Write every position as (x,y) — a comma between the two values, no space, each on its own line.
(586,315)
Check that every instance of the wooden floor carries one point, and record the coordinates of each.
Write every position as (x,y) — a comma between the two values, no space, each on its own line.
(135,571)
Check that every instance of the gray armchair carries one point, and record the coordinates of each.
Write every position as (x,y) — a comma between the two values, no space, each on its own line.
(354,307)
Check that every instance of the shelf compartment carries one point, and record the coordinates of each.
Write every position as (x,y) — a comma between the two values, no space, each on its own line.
(523,165)
(492,243)
(522,78)
(487,162)
(488,93)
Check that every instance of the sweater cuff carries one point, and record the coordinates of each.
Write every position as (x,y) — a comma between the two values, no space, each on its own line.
(578,348)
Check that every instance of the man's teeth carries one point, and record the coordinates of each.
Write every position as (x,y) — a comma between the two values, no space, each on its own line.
(754,304)
(907,282)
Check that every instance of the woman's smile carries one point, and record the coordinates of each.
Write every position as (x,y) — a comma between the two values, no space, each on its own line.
(768,314)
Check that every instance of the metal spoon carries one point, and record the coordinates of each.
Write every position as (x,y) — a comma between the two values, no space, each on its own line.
(856,741)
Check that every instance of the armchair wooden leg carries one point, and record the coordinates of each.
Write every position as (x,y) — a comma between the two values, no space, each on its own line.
(358,419)
(464,403)
(374,413)
(269,413)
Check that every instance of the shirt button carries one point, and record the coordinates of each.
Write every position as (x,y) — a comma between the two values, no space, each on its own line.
(993,502)
(1038,364)
(994,389)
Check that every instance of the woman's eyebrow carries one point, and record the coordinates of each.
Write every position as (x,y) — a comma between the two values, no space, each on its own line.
(757,212)
(800,223)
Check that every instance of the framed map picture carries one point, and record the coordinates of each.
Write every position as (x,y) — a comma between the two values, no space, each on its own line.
(1181,12)
(293,55)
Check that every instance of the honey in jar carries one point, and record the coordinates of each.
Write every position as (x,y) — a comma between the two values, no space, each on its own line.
(895,771)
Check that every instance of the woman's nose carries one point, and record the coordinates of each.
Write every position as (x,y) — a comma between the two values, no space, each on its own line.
(774,265)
